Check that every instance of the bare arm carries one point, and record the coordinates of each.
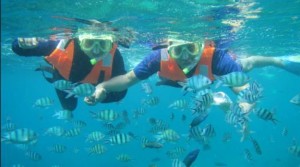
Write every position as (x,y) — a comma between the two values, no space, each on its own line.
(119,83)
(259,61)
(116,84)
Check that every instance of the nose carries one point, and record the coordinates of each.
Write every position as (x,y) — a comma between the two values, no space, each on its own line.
(96,49)
(185,55)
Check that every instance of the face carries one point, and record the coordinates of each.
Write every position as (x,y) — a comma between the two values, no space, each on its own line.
(185,54)
(95,48)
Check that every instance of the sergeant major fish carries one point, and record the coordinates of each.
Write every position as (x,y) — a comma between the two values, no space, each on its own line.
(195,83)
(105,115)
(265,114)
(43,102)
(33,155)
(233,79)
(120,138)
(20,136)
(81,90)
(62,84)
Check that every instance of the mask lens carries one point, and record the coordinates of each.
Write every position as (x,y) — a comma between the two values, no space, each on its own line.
(87,43)
(105,45)
(193,48)
(176,52)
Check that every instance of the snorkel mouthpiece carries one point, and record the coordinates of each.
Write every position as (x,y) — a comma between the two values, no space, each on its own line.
(186,70)
(93,61)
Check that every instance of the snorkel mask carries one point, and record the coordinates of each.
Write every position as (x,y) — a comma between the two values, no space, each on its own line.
(96,47)
(186,51)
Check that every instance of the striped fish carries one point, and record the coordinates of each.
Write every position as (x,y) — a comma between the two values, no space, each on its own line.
(55,131)
(236,115)
(105,115)
(95,136)
(294,150)
(81,90)
(151,101)
(179,104)
(58,148)
(177,163)
(176,152)
(63,114)
(33,155)
(168,135)
(79,123)
(248,155)
(196,133)
(265,114)
(158,128)
(120,138)
(256,146)
(124,158)
(205,99)
(284,132)
(72,132)
(62,84)
(9,126)
(138,112)
(208,131)
(150,144)
(233,79)
(20,136)
(251,94)
(248,96)
(43,102)
(245,132)
(147,88)
(97,149)
(195,83)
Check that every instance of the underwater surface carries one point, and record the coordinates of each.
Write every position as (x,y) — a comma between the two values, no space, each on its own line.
(266,28)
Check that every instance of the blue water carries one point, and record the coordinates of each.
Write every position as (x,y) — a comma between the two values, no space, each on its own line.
(274,31)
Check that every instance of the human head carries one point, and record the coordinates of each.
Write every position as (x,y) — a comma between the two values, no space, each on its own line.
(186,54)
(95,47)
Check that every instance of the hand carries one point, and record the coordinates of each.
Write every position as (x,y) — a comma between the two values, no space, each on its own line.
(28,43)
(98,96)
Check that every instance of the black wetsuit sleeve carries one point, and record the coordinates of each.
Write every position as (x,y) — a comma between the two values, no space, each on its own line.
(118,69)
(44,47)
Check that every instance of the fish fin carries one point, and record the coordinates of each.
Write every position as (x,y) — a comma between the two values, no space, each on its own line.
(70,94)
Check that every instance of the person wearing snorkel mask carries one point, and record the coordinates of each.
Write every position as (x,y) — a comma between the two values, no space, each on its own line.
(177,60)
(87,58)
(174,62)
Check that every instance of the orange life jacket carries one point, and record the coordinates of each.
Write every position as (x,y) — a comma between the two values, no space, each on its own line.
(62,60)
(171,71)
